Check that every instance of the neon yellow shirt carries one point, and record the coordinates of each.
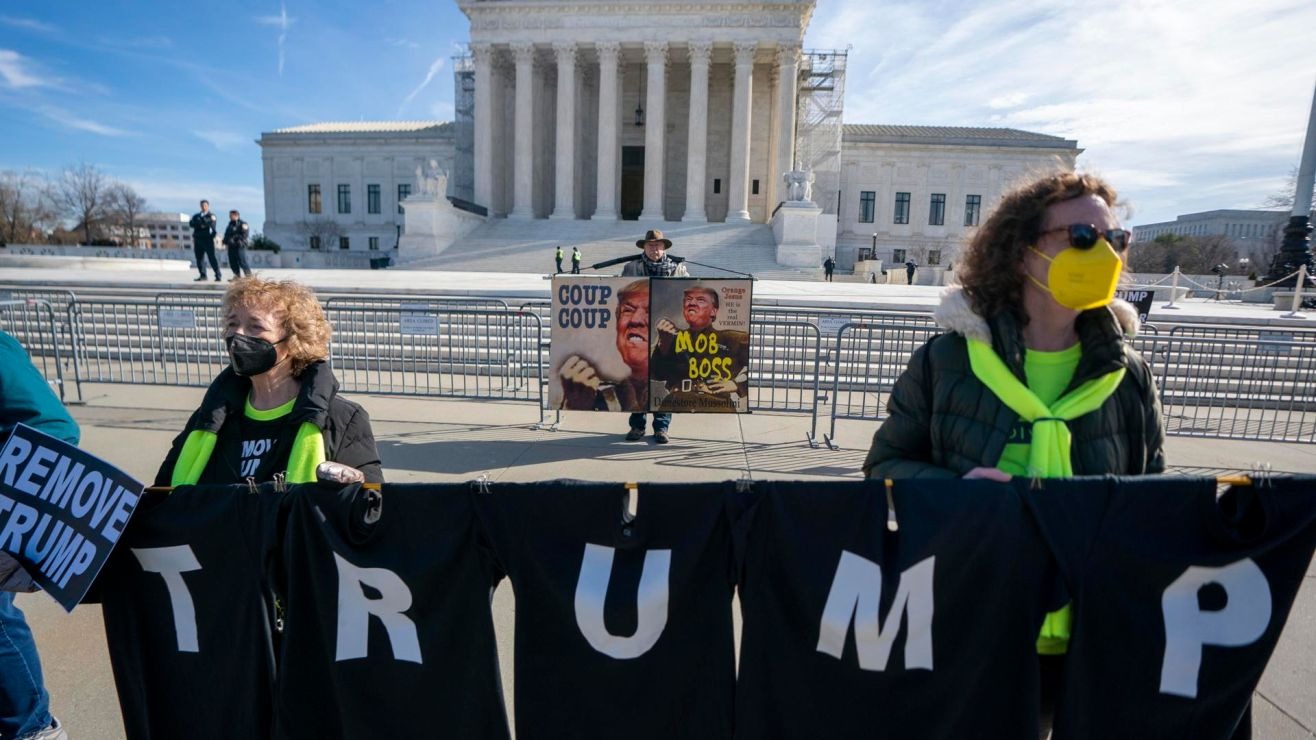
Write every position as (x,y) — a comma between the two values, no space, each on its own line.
(1048,375)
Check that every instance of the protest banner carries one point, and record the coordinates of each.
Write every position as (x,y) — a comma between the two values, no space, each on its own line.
(61,511)
(599,357)
(1182,597)
(699,331)
(1141,300)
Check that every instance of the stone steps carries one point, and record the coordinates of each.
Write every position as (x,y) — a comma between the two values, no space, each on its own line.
(506,245)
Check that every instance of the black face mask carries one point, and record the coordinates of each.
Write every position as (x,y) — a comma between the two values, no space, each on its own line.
(251,355)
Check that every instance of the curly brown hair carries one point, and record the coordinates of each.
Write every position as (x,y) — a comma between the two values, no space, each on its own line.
(302,317)
(991,275)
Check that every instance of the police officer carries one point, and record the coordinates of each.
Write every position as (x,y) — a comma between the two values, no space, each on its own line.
(236,239)
(575,260)
(558,257)
(203,225)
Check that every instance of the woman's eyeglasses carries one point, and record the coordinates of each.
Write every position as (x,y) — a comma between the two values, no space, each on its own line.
(1085,236)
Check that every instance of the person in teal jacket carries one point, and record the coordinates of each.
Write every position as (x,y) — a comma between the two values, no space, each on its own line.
(25,398)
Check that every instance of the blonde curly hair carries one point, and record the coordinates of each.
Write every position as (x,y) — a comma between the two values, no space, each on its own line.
(295,306)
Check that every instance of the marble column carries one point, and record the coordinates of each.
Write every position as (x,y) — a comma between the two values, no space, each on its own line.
(564,188)
(606,203)
(655,129)
(788,71)
(523,166)
(741,96)
(697,159)
(484,124)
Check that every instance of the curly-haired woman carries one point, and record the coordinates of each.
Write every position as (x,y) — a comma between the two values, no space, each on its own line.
(275,410)
(1034,375)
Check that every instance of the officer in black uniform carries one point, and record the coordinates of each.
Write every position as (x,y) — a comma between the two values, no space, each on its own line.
(236,237)
(203,240)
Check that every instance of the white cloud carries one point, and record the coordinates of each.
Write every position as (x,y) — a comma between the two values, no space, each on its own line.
(18,71)
(435,66)
(28,24)
(77,122)
(225,140)
(282,22)
(404,43)
(1185,100)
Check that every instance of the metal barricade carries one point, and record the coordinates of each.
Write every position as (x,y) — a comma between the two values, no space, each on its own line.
(433,350)
(1257,388)
(784,360)
(33,323)
(869,358)
(160,341)
(480,303)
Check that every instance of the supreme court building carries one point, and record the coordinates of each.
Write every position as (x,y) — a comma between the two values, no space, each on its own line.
(681,112)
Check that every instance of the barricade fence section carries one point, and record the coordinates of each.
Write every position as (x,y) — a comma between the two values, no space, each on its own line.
(1258,387)
(1229,382)
(869,358)
(34,324)
(432,350)
(784,362)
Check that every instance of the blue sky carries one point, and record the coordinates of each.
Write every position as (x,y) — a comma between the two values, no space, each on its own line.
(1185,105)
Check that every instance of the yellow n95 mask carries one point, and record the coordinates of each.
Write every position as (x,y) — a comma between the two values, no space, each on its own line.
(1080,279)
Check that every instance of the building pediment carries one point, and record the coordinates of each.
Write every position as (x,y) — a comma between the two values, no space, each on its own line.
(499,21)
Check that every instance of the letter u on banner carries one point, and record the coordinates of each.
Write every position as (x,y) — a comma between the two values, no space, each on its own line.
(651,606)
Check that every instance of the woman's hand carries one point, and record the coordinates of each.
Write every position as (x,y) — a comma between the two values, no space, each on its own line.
(996,474)
(332,472)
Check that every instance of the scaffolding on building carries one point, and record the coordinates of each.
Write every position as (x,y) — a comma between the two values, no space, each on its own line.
(821,103)
(461,180)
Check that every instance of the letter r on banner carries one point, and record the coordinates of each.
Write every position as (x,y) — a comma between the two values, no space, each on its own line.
(592,588)
(856,596)
(1188,629)
(172,563)
(355,610)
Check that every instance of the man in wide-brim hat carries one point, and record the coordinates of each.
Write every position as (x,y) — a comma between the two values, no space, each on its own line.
(653,263)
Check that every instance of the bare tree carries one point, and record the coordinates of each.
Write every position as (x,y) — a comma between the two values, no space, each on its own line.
(80,194)
(1284,198)
(323,231)
(24,207)
(124,206)
(1195,255)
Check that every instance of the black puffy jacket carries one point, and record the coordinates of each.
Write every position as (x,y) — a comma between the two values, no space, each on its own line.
(348,438)
(943,421)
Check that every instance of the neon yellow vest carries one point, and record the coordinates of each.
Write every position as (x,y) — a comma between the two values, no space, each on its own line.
(1048,456)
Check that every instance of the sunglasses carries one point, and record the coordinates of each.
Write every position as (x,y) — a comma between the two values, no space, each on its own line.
(1085,236)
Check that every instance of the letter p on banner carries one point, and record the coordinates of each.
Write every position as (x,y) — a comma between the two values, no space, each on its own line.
(61,540)
(1188,628)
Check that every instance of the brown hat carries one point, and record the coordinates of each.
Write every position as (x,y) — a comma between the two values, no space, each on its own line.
(654,235)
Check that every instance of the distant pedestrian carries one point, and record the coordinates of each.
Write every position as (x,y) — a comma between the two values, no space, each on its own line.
(557,256)
(910,268)
(829,265)
(575,260)
(204,229)
(872,277)
(237,238)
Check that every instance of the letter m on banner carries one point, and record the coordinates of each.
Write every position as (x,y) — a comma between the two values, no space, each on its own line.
(855,598)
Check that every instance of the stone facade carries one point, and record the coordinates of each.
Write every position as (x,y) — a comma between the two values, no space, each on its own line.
(358,155)
(920,162)
(589,108)
(1248,230)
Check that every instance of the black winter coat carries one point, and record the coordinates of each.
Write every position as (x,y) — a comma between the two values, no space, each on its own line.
(345,425)
(943,421)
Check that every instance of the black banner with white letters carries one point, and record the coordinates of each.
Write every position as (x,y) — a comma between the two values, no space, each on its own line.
(62,511)
(916,620)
